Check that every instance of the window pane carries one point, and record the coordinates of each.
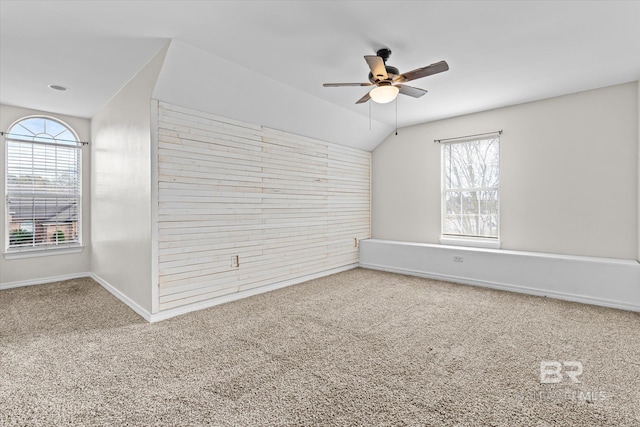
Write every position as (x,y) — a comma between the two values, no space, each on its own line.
(42,221)
(452,225)
(452,203)
(471,167)
(471,164)
(43,130)
(32,126)
(43,185)
(41,168)
(54,128)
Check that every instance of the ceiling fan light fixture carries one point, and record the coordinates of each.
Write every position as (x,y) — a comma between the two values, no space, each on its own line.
(384,94)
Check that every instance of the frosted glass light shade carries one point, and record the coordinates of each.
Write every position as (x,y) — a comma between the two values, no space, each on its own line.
(384,94)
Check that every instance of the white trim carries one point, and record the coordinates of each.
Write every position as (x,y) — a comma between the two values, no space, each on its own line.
(508,252)
(42,280)
(122,297)
(50,251)
(115,292)
(591,280)
(506,287)
(167,314)
(155,291)
(474,242)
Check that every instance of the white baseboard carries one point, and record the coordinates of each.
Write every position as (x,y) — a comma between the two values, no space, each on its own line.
(42,280)
(166,314)
(122,297)
(598,281)
(51,279)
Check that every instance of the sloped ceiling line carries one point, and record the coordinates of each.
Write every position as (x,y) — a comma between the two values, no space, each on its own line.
(190,77)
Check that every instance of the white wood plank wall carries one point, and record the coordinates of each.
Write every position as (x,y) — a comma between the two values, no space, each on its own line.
(286,205)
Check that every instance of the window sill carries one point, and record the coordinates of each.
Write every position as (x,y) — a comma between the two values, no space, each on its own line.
(31,253)
(470,242)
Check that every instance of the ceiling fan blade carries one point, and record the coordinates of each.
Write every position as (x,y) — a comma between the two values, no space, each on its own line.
(346,84)
(376,64)
(435,68)
(415,92)
(364,99)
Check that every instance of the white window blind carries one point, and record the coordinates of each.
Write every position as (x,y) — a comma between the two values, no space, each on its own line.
(43,194)
(471,188)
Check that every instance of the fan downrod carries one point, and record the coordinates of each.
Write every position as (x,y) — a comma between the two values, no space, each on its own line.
(384,54)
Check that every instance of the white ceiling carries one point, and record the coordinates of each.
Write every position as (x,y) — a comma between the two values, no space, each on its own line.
(499,52)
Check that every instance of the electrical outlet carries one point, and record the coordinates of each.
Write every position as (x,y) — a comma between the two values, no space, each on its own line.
(355,242)
(235,261)
(458,258)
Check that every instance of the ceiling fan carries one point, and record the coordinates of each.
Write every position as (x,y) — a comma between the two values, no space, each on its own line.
(388,81)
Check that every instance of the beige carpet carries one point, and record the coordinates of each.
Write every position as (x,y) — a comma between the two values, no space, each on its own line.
(360,348)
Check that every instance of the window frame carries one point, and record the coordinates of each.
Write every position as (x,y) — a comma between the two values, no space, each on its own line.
(492,242)
(45,249)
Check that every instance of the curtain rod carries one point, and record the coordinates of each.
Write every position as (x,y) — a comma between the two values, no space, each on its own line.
(41,137)
(499,132)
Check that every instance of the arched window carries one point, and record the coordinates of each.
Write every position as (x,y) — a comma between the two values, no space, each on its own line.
(43,185)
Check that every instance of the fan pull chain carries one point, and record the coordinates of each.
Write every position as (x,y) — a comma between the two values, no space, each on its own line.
(369,114)
(396,115)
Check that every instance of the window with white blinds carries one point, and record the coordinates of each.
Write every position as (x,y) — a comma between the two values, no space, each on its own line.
(471,188)
(43,196)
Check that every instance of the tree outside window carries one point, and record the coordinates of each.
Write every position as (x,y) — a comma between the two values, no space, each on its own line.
(470,195)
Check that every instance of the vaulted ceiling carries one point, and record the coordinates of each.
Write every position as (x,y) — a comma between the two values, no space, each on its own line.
(499,52)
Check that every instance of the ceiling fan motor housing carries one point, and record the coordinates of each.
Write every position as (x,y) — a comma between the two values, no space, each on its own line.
(392,73)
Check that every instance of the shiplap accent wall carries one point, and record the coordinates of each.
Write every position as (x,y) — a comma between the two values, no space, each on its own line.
(287,206)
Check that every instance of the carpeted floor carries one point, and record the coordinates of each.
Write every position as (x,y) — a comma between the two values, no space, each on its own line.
(359,348)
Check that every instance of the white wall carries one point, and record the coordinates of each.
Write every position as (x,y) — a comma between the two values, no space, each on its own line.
(194,78)
(121,188)
(569,175)
(287,206)
(37,269)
